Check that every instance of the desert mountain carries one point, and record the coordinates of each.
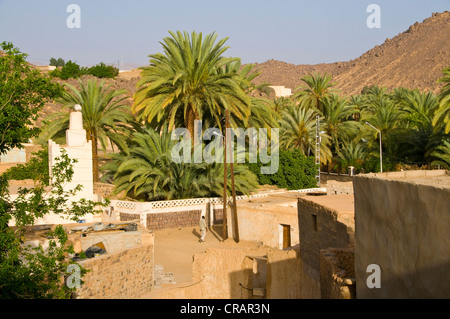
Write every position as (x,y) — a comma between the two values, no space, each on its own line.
(412,59)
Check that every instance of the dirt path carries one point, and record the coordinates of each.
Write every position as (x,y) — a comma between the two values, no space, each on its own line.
(174,249)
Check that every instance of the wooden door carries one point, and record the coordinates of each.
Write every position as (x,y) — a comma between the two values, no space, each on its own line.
(286,236)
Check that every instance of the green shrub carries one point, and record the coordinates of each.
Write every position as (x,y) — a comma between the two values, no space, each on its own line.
(102,70)
(69,70)
(295,171)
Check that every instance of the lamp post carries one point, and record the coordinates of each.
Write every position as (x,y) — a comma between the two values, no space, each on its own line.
(381,150)
(233,190)
(318,142)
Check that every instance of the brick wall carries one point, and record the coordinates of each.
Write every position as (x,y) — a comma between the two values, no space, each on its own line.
(217,216)
(126,217)
(160,221)
(123,275)
(319,229)
(103,189)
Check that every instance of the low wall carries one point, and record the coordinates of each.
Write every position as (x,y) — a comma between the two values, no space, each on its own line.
(403,226)
(343,178)
(337,274)
(173,219)
(181,213)
(127,274)
(336,188)
(276,274)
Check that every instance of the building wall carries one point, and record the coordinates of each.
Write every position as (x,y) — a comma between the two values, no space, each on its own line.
(239,271)
(261,222)
(404,228)
(320,229)
(286,277)
(175,219)
(127,274)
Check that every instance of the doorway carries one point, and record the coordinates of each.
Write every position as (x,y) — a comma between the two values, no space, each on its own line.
(285,238)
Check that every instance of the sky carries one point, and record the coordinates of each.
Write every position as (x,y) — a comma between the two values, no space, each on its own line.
(124,33)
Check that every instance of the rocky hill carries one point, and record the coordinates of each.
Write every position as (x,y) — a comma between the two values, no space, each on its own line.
(413,59)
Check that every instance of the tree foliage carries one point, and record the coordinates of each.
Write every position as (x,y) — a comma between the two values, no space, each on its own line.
(295,171)
(106,117)
(23,93)
(147,171)
(34,272)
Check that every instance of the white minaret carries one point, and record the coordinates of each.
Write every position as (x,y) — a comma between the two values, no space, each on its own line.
(77,147)
(76,135)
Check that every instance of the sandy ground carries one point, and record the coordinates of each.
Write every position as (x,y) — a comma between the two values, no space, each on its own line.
(175,248)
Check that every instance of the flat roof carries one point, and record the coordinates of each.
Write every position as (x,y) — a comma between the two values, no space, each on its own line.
(436,178)
(342,204)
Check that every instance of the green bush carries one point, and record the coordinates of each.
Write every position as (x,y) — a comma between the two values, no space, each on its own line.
(69,70)
(295,171)
(73,70)
(102,70)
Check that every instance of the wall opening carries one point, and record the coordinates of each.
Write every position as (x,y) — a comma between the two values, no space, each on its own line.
(285,236)
(314,222)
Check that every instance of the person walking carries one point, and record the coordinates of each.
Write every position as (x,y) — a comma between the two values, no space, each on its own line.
(202,229)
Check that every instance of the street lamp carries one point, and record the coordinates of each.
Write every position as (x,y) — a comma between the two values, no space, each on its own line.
(233,190)
(381,151)
(318,142)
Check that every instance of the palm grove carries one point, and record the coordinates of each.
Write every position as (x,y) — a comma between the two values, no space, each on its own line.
(193,80)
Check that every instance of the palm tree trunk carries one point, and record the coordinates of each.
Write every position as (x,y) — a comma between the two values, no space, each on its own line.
(95,174)
(189,122)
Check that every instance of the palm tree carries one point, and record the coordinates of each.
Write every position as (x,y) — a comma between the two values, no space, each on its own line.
(298,131)
(352,153)
(422,136)
(317,88)
(261,114)
(106,118)
(442,154)
(442,115)
(182,84)
(338,120)
(147,171)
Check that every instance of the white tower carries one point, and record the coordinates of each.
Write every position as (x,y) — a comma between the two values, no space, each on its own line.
(77,147)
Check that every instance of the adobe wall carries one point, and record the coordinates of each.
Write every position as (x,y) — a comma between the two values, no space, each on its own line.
(403,225)
(127,274)
(260,220)
(320,229)
(174,219)
(287,278)
(238,271)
